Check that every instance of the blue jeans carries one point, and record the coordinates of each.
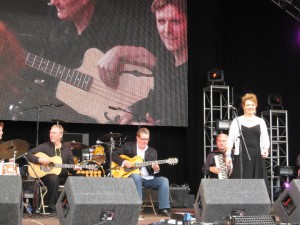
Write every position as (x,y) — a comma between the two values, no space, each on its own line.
(158,183)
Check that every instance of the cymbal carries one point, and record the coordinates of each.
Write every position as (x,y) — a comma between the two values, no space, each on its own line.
(7,148)
(75,145)
(107,137)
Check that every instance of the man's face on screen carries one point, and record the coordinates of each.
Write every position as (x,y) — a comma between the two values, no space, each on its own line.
(172,27)
(69,9)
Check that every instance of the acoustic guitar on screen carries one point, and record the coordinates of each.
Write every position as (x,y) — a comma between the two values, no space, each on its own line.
(137,162)
(54,167)
(83,90)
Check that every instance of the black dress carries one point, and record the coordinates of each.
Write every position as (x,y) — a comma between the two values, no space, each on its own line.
(256,167)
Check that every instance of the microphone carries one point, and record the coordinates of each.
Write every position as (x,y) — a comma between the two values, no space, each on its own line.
(231,107)
(56,105)
(114,108)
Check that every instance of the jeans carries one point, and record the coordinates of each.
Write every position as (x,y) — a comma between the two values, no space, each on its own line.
(158,183)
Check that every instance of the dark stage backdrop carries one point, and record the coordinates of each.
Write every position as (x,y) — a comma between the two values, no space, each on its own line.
(253,41)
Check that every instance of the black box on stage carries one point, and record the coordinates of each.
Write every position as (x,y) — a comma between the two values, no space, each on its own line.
(87,200)
(180,197)
(11,207)
(219,198)
(287,206)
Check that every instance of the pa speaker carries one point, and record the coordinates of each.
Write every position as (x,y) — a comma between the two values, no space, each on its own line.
(88,201)
(11,207)
(287,206)
(218,199)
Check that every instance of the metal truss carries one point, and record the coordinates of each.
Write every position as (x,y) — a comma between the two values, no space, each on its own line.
(216,101)
(277,121)
(292,7)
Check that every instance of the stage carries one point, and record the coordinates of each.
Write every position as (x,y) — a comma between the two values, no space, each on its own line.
(146,218)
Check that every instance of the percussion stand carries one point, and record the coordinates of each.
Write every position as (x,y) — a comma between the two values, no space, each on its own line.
(112,147)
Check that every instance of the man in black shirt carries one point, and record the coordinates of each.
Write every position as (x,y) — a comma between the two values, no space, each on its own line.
(54,147)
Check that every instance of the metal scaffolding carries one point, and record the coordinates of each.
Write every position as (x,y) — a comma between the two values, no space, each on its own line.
(216,101)
(292,7)
(277,123)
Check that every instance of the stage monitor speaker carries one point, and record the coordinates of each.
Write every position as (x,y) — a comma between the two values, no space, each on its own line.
(287,206)
(11,207)
(89,201)
(218,199)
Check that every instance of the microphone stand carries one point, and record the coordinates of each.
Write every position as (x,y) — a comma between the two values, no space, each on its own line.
(38,108)
(112,147)
(243,140)
(139,118)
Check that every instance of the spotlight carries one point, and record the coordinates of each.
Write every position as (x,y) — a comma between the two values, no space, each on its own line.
(286,185)
(223,124)
(275,101)
(286,171)
(216,75)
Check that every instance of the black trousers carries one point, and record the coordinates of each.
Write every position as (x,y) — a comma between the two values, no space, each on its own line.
(52,182)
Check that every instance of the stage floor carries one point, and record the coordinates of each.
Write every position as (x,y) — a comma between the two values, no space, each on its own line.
(148,217)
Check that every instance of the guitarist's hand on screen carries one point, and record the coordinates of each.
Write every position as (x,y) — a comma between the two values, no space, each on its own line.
(112,64)
(44,161)
(109,67)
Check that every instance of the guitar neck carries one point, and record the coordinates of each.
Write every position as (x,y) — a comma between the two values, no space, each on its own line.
(149,163)
(63,73)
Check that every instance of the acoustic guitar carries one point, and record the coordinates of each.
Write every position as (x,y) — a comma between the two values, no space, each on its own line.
(83,90)
(137,162)
(54,167)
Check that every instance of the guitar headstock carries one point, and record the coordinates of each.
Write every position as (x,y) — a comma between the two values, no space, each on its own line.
(172,161)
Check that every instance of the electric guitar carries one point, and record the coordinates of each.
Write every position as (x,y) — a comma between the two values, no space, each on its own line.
(83,90)
(54,167)
(137,162)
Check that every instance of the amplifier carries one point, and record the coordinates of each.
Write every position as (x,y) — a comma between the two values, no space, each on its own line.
(180,197)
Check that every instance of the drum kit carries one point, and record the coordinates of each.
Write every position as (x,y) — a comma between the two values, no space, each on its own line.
(12,150)
(96,154)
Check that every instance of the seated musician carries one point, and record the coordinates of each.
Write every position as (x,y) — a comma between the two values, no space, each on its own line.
(209,168)
(52,148)
(147,176)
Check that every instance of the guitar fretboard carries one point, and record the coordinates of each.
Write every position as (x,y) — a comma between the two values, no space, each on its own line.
(148,163)
(69,166)
(63,73)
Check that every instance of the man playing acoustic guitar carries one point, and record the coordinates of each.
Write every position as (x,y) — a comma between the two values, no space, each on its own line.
(145,176)
(53,148)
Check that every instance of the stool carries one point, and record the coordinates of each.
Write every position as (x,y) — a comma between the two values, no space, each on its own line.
(148,201)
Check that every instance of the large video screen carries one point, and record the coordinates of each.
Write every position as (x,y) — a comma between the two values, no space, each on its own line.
(94,61)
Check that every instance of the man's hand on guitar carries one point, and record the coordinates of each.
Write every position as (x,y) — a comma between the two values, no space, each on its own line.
(44,161)
(127,164)
(155,167)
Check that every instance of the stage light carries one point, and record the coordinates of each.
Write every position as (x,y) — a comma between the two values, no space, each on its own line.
(223,124)
(275,101)
(286,171)
(215,76)
(286,185)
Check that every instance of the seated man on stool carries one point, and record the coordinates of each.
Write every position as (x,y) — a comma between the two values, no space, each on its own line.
(148,175)
(52,148)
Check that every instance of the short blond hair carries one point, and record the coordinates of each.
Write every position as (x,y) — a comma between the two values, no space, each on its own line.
(249,96)
(142,130)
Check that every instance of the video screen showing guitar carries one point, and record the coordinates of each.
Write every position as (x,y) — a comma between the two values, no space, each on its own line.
(108,62)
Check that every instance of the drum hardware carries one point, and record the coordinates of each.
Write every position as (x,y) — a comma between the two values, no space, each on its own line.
(110,137)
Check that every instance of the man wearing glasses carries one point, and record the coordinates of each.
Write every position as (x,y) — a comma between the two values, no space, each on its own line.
(145,176)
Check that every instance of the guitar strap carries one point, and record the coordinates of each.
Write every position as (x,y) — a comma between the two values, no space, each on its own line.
(58,152)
